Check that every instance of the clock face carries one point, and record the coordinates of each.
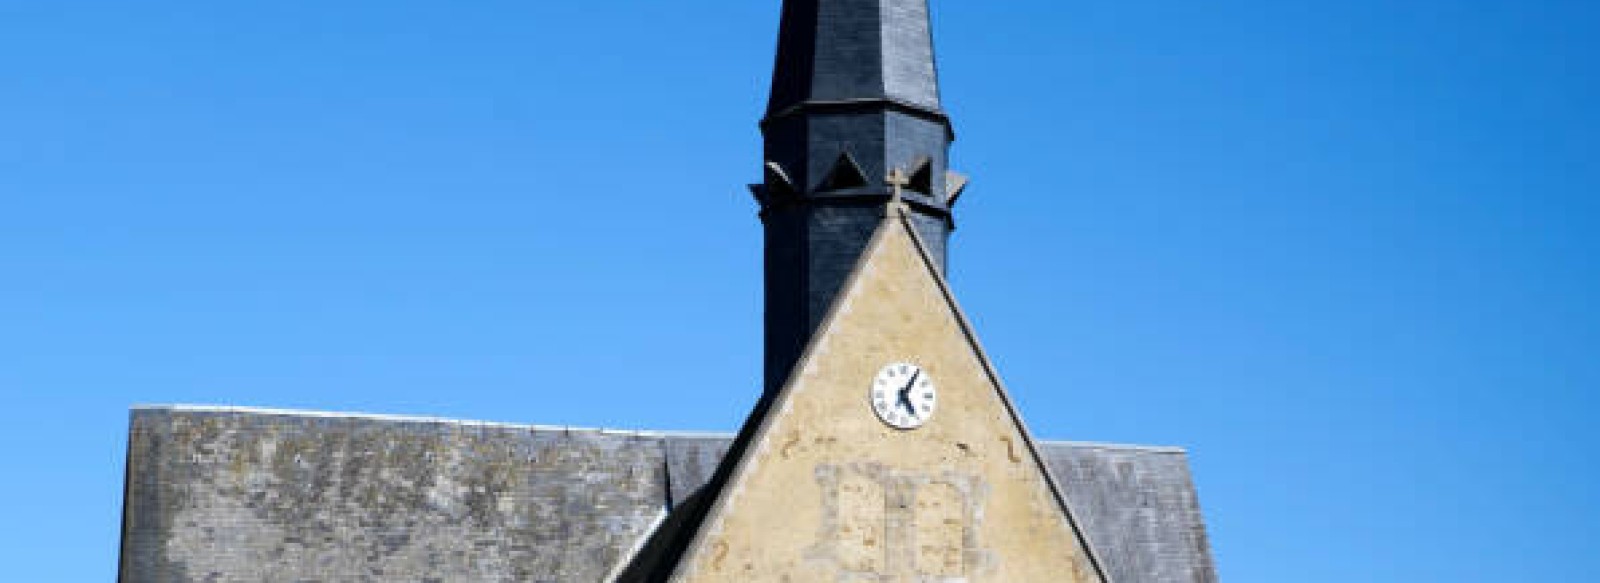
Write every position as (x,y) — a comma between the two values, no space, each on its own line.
(903,396)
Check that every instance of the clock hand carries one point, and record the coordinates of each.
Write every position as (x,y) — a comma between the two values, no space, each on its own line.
(907,389)
(905,395)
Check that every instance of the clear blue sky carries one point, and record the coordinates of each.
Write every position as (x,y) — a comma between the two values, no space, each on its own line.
(1345,251)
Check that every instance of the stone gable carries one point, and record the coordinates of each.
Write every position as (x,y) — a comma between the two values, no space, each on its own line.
(825,491)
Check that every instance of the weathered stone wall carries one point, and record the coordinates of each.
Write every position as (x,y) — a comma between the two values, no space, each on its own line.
(223,495)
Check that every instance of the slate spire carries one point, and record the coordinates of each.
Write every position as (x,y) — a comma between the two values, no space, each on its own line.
(855,98)
(844,50)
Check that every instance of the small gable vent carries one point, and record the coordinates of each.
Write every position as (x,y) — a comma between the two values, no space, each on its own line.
(922,178)
(845,174)
(777,181)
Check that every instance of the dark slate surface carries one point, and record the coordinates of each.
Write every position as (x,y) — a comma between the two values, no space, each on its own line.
(908,69)
(834,50)
(690,462)
(238,495)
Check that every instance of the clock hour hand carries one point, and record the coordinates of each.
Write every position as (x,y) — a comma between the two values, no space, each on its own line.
(905,395)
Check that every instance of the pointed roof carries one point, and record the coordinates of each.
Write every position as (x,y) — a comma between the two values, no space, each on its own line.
(695,524)
(847,51)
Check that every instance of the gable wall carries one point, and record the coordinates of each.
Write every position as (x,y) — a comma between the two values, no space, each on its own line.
(829,493)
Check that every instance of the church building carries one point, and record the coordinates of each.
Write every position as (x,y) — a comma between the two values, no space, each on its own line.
(883,449)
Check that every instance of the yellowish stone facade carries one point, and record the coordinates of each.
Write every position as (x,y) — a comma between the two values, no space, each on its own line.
(827,493)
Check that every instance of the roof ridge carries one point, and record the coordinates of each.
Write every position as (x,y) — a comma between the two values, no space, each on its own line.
(667,433)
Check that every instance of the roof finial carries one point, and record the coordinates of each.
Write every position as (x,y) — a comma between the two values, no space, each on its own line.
(898,180)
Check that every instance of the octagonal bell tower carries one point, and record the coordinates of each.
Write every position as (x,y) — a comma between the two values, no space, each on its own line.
(854,115)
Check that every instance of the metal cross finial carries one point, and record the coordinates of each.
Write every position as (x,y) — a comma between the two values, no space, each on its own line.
(898,180)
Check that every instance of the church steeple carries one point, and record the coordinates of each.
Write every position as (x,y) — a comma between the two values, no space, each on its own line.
(855,98)
(846,50)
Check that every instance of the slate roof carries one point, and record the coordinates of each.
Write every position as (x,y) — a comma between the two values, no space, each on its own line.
(219,494)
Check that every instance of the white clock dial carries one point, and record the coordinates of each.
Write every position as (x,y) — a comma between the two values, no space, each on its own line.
(903,396)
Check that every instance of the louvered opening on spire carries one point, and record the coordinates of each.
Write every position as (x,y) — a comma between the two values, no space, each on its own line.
(846,173)
(922,177)
(778,182)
